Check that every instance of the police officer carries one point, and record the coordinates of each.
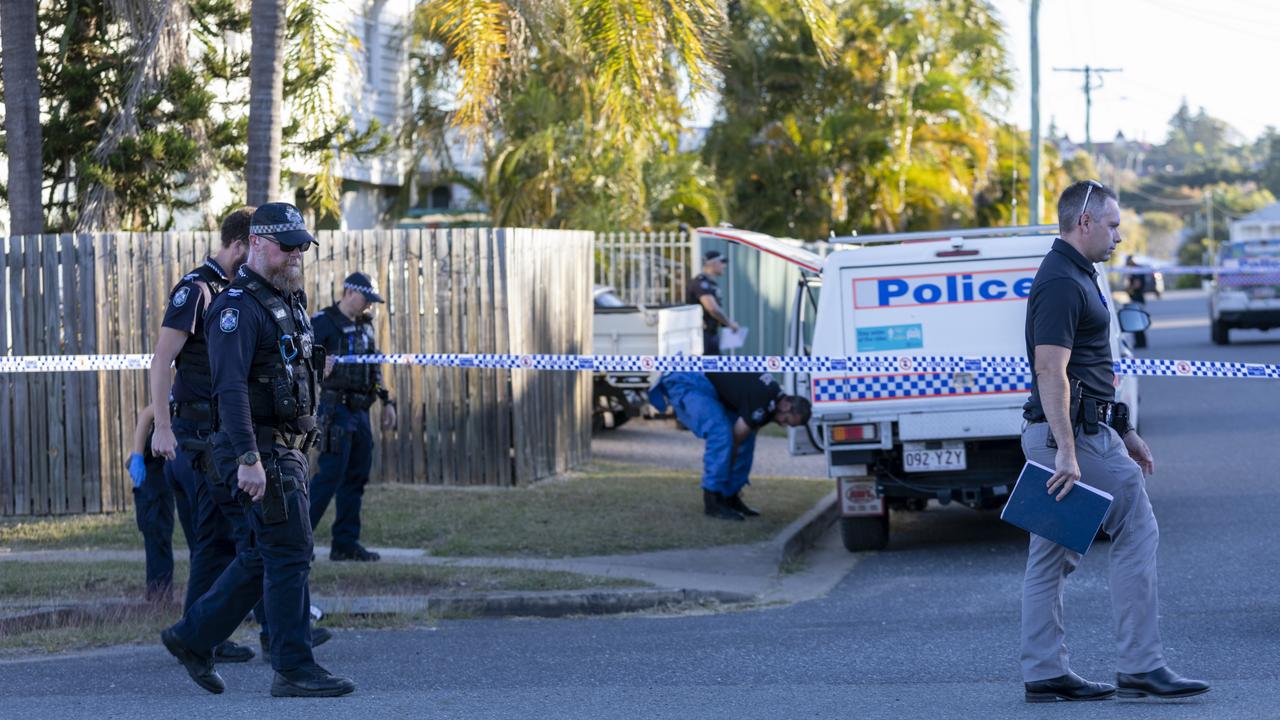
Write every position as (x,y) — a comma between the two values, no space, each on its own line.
(265,371)
(153,501)
(183,415)
(348,391)
(1075,426)
(726,410)
(703,290)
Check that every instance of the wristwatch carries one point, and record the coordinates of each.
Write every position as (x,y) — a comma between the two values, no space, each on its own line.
(249,458)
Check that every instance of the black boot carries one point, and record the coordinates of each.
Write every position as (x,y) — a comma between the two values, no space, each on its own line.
(713,504)
(734,502)
(231,652)
(310,682)
(198,667)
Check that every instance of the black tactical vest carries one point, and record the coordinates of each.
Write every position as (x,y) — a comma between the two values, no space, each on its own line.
(282,383)
(193,360)
(355,338)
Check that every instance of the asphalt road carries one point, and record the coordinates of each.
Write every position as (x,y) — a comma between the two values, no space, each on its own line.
(925,629)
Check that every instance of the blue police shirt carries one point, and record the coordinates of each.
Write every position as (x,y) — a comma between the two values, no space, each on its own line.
(238,328)
(187,305)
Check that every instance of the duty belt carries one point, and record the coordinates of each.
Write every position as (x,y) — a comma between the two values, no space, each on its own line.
(293,441)
(346,397)
(196,411)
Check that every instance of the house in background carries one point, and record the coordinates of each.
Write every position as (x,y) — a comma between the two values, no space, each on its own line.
(1261,224)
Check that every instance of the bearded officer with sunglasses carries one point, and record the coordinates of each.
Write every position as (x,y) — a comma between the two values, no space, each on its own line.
(1075,426)
(265,370)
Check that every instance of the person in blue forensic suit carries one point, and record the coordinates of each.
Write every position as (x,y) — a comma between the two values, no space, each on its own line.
(153,501)
(726,410)
(265,370)
(347,392)
(181,404)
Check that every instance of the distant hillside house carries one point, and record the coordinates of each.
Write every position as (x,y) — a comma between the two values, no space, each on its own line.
(1263,224)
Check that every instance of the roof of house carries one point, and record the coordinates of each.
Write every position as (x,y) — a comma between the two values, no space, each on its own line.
(1267,214)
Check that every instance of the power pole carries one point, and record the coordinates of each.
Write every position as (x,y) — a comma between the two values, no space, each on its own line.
(1089,87)
(1034,208)
(1208,214)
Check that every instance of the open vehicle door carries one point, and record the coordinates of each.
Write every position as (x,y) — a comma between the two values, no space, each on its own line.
(804,310)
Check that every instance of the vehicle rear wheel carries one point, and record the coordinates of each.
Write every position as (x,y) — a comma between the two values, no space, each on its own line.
(864,533)
(1219,331)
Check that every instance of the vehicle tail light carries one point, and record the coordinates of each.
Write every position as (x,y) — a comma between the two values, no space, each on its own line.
(854,433)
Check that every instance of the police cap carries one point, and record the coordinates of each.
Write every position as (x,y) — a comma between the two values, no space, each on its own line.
(282,223)
(362,283)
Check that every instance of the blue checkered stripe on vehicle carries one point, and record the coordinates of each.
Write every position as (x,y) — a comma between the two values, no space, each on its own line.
(891,387)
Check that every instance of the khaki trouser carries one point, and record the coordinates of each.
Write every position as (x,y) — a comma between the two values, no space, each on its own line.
(1106,465)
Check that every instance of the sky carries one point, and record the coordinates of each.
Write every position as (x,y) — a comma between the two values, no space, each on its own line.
(1223,55)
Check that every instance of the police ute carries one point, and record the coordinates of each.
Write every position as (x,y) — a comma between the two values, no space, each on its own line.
(897,440)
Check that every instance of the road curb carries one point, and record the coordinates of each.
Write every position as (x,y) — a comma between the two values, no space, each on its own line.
(551,604)
(802,534)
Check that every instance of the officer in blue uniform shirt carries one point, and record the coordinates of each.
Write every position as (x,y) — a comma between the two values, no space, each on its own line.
(726,410)
(347,393)
(265,370)
(703,290)
(183,411)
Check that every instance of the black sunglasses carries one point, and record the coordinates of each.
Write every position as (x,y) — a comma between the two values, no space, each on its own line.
(287,248)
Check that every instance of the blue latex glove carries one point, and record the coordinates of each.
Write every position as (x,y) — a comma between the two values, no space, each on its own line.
(137,469)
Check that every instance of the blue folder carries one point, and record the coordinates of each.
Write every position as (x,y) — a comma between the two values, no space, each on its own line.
(1072,523)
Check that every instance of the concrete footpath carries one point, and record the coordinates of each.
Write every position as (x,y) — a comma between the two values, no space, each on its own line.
(804,561)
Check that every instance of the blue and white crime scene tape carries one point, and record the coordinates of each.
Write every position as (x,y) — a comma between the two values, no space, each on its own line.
(877,365)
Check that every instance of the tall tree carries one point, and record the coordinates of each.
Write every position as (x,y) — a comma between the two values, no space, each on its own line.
(627,43)
(894,135)
(266,101)
(22,115)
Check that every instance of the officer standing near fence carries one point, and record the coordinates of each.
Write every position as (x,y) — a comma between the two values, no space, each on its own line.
(265,372)
(1075,426)
(183,411)
(703,290)
(347,393)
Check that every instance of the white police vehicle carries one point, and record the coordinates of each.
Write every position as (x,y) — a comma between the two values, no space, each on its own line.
(896,441)
(1246,288)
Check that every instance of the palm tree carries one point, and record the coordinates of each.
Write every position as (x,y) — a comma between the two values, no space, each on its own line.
(266,101)
(627,42)
(22,115)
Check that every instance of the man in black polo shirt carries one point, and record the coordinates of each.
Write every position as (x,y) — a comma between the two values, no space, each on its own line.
(1075,426)
(703,290)
(726,410)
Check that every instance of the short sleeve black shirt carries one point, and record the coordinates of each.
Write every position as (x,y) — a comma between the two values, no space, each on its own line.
(1067,308)
(752,396)
(188,302)
(700,285)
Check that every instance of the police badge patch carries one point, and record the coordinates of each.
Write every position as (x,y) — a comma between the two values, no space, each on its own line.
(229,320)
(180,297)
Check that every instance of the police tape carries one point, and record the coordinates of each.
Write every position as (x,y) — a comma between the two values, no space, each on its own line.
(865,365)
(1265,269)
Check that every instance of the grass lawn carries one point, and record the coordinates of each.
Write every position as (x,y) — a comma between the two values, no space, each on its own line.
(32,583)
(609,509)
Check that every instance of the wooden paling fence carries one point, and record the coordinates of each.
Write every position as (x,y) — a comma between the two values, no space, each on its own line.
(67,435)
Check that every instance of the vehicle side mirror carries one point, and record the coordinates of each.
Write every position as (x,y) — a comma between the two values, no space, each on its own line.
(1133,319)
